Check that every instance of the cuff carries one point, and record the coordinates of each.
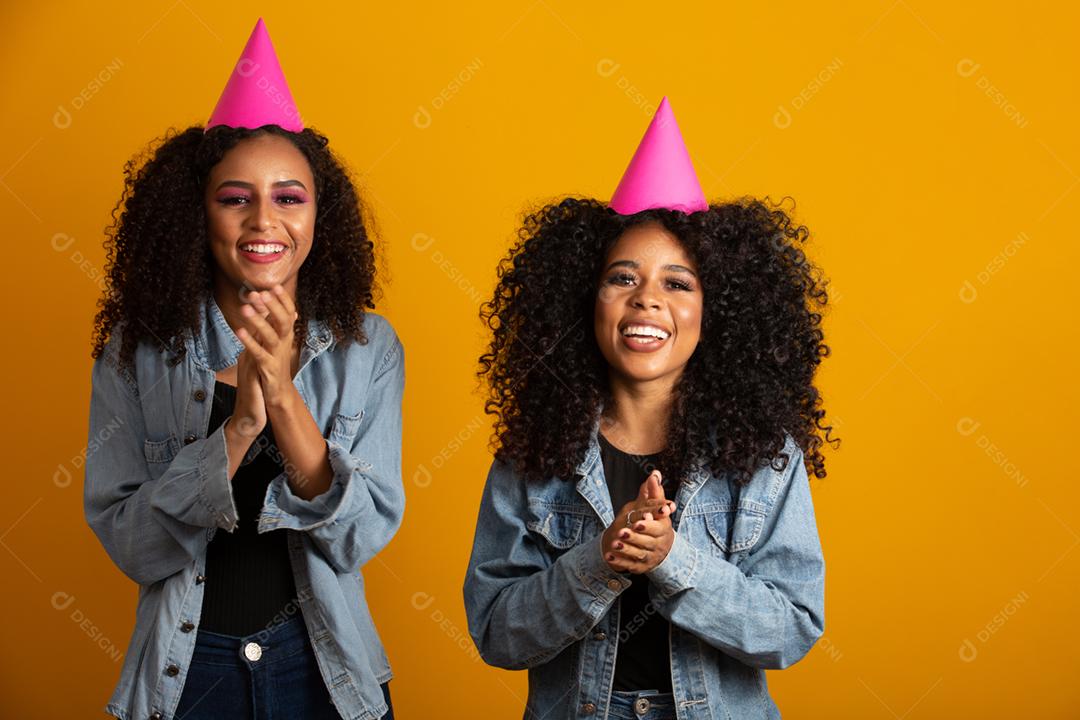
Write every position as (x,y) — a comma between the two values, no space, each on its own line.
(678,570)
(597,576)
(284,509)
(215,488)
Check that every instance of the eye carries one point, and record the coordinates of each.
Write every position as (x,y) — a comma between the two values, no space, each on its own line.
(290,199)
(680,285)
(233,200)
(621,279)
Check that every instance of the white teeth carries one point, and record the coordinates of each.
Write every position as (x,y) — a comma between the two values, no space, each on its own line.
(647,330)
(263,249)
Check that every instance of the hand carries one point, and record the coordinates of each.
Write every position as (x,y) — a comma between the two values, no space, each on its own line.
(249,413)
(643,546)
(271,341)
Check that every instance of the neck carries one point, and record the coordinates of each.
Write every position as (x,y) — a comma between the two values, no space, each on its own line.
(637,420)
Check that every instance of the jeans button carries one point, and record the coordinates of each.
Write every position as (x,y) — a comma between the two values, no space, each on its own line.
(641,706)
(599,636)
(253,651)
(588,709)
(156,715)
(614,585)
(199,395)
(187,627)
(172,670)
(190,439)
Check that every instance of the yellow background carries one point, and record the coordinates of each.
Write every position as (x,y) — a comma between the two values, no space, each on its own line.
(932,151)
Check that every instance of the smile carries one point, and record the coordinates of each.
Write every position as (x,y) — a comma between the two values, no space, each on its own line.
(641,337)
(262,252)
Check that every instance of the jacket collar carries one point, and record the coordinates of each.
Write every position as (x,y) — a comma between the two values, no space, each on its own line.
(216,346)
(592,484)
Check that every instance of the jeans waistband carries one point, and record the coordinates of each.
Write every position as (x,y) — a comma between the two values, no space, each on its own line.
(277,641)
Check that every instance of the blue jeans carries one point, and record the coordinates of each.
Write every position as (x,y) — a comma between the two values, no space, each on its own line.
(271,674)
(641,705)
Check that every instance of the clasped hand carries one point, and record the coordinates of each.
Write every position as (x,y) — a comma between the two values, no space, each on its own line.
(646,542)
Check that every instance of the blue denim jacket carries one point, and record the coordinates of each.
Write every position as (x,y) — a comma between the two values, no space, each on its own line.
(157,489)
(743,588)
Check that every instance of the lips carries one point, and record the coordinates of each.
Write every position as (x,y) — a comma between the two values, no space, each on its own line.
(262,251)
(643,335)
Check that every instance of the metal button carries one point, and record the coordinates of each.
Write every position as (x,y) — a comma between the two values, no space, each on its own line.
(187,627)
(614,584)
(156,715)
(599,636)
(253,651)
(641,705)
(190,439)
(172,670)
(199,395)
(588,709)
(199,579)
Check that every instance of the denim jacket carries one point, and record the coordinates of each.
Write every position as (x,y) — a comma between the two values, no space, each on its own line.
(157,489)
(742,587)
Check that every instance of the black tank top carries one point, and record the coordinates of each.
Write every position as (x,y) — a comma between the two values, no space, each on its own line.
(249,580)
(642,660)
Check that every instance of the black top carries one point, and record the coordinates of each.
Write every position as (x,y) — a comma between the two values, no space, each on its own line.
(642,661)
(249,580)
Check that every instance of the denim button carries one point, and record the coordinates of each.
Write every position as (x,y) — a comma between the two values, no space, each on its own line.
(199,395)
(172,670)
(199,579)
(156,715)
(641,706)
(187,627)
(599,636)
(253,651)
(613,584)
(588,709)
(190,439)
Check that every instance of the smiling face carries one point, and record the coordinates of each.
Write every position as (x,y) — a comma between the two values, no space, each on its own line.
(648,306)
(260,210)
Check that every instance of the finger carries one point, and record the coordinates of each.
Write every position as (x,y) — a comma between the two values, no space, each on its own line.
(666,510)
(251,344)
(285,299)
(654,528)
(643,491)
(631,554)
(260,329)
(280,318)
(656,489)
(637,540)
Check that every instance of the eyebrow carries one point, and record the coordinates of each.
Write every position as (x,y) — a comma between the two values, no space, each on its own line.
(635,265)
(249,186)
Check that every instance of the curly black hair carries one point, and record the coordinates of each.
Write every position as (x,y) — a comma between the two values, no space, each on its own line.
(748,382)
(159,267)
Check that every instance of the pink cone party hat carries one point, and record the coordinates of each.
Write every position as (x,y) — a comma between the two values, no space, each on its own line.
(257,93)
(660,174)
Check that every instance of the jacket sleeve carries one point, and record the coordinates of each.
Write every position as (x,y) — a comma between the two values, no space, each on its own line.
(768,611)
(359,513)
(151,528)
(523,608)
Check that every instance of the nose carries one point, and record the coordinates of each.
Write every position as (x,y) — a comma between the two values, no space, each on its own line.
(645,298)
(262,214)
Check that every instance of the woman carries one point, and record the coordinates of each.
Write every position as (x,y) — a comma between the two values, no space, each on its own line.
(646,543)
(252,463)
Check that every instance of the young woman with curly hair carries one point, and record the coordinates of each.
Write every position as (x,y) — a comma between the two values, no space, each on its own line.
(245,425)
(646,543)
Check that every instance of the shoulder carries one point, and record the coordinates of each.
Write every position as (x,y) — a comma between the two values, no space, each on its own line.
(381,350)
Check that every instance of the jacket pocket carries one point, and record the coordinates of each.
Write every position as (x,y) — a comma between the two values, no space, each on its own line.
(742,525)
(561,529)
